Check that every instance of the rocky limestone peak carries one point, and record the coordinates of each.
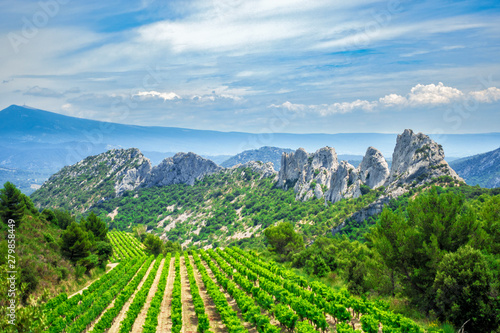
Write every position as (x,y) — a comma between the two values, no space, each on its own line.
(292,167)
(417,158)
(182,168)
(373,170)
(343,183)
(130,178)
(326,158)
(309,174)
(103,176)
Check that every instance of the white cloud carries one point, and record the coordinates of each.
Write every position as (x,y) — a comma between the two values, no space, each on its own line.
(420,95)
(157,95)
(393,100)
(489,95)
(433,94)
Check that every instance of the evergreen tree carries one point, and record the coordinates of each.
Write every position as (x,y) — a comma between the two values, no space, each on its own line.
(12,203)
(75,244)
(97,227)
(153,244)
(463,288)
(64,218)
(413,245)
(283,240)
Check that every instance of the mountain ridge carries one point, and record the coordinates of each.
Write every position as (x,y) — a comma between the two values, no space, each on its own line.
(480,169)
(416,160)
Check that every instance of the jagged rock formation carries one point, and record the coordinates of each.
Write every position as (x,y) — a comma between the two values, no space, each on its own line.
(182,168)
(416,160)
(108,175)
(310,175)
(265,169)
(373,170)
(131,178)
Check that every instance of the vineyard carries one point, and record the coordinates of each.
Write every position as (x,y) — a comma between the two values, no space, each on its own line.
(228,290)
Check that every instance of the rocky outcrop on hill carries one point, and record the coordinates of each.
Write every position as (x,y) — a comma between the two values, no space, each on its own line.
(265,169)
(416,159)
(182,168)
(94,179)
(318,175)
(373,170)
(130,178)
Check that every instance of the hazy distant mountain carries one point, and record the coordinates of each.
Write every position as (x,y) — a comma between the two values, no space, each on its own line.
(263,154)
(482,170)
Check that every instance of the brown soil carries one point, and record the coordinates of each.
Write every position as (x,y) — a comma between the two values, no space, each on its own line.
(214,318)
(189,319)
(164,320)
(141,318)
(116,323)
(232,302)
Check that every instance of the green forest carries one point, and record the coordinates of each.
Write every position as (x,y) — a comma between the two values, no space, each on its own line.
(433,254)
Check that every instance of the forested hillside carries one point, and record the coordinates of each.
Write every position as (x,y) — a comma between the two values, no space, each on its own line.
(224,208)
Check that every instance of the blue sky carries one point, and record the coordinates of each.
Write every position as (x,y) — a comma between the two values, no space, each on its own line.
(258,66)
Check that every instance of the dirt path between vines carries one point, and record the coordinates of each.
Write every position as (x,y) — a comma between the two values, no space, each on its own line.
(164,318)
(272,319)
(109,306)
(216,324)
(141,318)
(231,301)
(116,323)
(189,319)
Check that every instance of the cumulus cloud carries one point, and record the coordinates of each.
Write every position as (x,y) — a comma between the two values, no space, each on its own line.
(489,95)
(158,95)
(419,96)
(433,94)
(42,92)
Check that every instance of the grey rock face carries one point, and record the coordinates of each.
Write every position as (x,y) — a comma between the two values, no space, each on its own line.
(373,170)
(308,174)
(417,158)
(265,169)
(183,168)
(318,175)
(292,167)
(131,178)
(342,183)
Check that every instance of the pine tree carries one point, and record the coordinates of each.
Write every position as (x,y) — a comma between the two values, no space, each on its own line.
(75,244)
(12,204)
(95,225)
